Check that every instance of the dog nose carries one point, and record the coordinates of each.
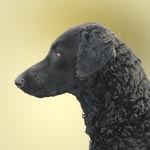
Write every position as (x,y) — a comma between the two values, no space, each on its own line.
(19,81)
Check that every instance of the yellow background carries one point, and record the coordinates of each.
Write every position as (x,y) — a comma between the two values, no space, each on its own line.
(27,28)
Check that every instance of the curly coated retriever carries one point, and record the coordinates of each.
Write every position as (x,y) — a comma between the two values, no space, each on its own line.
(92,63)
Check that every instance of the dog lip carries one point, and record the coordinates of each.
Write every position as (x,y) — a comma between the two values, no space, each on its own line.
(53,93)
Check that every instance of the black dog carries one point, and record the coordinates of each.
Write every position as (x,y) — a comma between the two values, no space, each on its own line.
(90,62)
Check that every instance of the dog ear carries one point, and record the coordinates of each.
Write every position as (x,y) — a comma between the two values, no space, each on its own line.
(95,51)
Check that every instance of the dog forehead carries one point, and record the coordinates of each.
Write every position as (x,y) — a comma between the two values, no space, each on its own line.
(67,38)
(72,36)
(77,29)
(69,34)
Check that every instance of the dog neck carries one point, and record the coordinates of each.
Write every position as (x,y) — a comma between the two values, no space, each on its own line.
(115,112)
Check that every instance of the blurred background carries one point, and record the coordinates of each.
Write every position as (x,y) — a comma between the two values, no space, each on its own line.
(27,28)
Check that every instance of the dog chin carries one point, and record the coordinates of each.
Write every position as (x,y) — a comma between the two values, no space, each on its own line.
(40,95)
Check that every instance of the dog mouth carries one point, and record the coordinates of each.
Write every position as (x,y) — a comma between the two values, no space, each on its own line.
(41,92)
(52,93)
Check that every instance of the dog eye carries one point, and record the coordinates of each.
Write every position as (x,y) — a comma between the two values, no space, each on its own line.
(58,54)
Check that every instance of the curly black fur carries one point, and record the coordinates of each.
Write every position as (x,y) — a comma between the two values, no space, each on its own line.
(107,79)
(116,104)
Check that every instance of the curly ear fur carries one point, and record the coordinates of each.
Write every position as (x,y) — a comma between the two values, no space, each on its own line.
(96,48)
